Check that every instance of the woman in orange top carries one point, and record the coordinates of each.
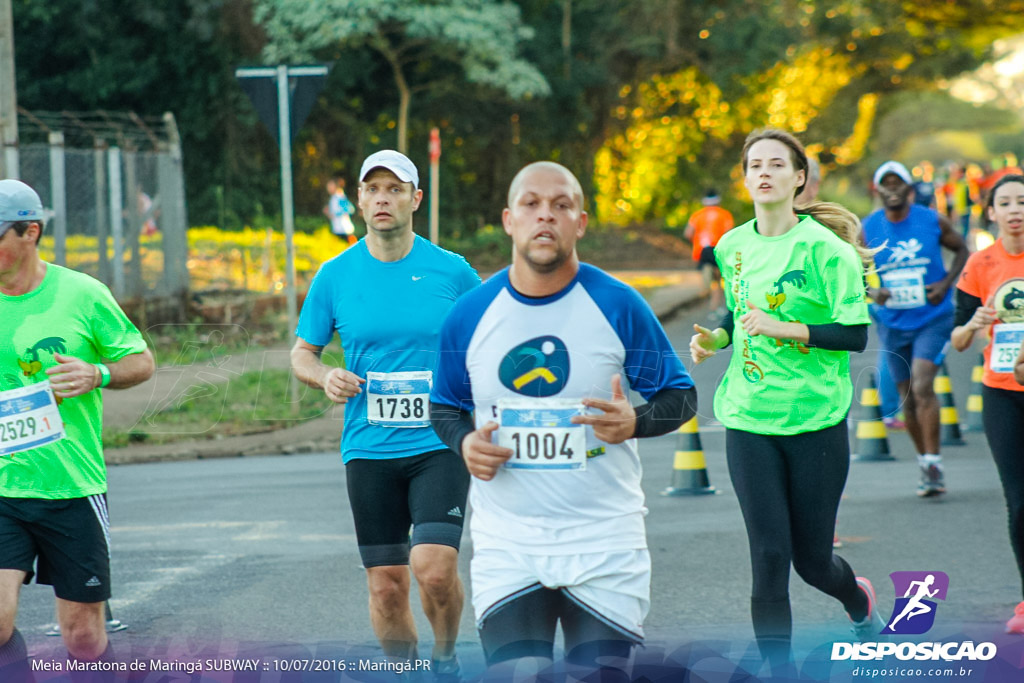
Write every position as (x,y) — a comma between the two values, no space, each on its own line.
(990,297)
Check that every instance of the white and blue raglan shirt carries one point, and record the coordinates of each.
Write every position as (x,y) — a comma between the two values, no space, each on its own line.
(388,316)
(571,343)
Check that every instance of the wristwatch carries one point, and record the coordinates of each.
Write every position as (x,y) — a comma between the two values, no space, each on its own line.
(104,374)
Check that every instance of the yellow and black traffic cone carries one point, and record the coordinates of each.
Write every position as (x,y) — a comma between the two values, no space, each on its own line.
(689,471)
(974,421)
(949,419)
(872,439)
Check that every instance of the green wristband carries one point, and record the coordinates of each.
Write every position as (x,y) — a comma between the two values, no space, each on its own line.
(104,374)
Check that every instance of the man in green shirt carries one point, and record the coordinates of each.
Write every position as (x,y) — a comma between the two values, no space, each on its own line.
(63,338)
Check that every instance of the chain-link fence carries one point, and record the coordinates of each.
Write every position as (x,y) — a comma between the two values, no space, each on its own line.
(115,194)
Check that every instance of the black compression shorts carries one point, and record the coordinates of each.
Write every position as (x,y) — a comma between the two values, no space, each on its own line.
(427,492)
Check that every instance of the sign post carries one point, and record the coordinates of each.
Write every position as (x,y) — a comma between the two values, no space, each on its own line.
(293,90)
(435,157)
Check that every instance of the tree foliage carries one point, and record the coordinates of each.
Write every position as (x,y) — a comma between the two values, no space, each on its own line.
(419,41)
(648,101)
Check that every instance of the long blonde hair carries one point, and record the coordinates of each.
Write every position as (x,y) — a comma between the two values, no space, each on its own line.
(837,218)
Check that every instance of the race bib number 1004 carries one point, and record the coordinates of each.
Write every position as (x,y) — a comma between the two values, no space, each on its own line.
(540,434)
(28,418)
(398,399)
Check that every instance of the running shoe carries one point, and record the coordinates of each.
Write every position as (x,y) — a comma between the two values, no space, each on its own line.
(868,628)
(894,423)
(446,670)
(932,481)
(1016,622)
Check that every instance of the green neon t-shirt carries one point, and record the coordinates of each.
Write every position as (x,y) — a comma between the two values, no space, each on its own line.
(808,275)
(70,314)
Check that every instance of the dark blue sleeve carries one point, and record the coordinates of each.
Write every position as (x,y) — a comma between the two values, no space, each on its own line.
(452,385)
(316,319)
(651,364)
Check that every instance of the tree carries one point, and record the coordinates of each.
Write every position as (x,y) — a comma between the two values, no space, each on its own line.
(420,42)
(145,57)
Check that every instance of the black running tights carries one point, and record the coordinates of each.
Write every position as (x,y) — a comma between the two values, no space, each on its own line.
(788,489)
(1002,411)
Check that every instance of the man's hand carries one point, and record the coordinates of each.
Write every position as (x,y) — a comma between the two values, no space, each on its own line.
(341,385)
(72,376)
(936,292)
(879,294)
(618,422)
(483,458)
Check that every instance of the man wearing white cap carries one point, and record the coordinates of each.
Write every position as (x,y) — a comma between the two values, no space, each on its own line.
(914,306)
(386,297)
(63,338)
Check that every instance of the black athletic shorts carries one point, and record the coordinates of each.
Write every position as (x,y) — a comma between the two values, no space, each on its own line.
(707,258)
(525,627)
(65,543)
(427,492)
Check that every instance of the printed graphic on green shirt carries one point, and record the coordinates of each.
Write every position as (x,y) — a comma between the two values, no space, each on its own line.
(30,364)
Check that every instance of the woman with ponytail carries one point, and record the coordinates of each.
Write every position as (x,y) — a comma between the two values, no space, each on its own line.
(793,281)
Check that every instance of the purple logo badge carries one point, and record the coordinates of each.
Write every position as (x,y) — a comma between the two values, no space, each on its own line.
(916,592)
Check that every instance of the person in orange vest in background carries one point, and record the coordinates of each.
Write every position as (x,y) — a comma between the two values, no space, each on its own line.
(705,228)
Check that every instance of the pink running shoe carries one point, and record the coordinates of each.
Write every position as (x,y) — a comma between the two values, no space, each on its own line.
(868,628)
(1016,622)
(894,423)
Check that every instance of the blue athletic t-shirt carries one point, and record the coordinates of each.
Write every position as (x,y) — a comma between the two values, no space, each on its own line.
(911,258)
(388,316)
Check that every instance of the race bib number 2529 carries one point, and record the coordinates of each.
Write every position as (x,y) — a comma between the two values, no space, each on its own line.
(29,418)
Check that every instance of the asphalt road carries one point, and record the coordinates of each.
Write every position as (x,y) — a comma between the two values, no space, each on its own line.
(258,554)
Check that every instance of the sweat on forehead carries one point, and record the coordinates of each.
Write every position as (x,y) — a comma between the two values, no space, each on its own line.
(517,181)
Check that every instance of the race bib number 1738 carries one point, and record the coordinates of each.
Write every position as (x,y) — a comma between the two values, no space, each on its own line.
(398,399)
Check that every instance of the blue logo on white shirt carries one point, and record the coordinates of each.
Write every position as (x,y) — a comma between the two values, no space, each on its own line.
(538,367)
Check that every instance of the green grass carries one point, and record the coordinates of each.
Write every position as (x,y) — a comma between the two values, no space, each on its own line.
(181,344)
(250,403)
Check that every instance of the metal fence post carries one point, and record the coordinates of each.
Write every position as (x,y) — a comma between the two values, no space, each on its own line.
(173,212)
(58,199)
(116,219)
(175,238)
(11,158)
(133,222)
(102,221)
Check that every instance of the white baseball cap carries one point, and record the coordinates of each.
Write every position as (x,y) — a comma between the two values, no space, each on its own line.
(396,162)
(19,202)
(896,168)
